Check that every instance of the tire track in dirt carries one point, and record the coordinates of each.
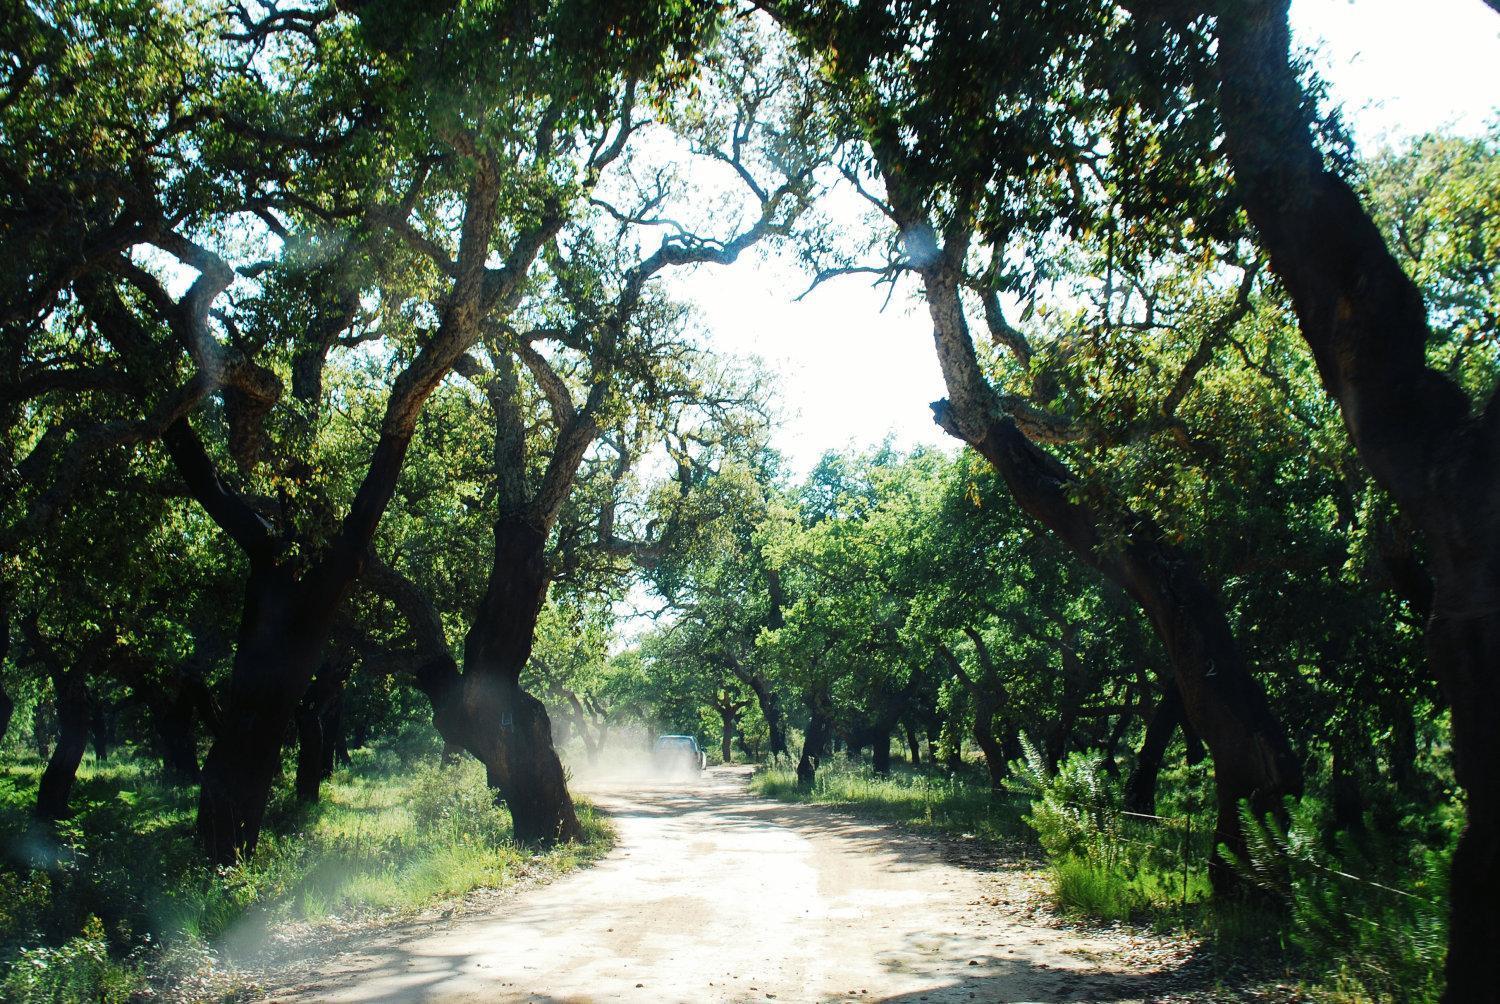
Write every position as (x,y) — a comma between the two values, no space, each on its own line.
(714,894)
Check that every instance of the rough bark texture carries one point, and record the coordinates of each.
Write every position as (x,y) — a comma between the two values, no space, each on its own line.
(989,698)
(101,730)
(880,751)
(280,642)
(1366,324)
(176,739)
(7,706)
(770,709)
(507,728)
(317,730)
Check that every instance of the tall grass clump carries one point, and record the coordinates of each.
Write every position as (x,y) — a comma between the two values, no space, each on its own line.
(1105,863)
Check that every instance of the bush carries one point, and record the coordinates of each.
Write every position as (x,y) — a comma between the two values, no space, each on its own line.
(78,970)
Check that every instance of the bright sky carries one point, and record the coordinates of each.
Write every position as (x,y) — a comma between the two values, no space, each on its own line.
(850,374)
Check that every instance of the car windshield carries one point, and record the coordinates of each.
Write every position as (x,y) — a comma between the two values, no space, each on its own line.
(675,743)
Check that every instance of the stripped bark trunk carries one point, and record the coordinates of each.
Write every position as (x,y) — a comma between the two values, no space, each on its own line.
(814,743)
(316,730)
(880,752)
(989,698)
(505,727)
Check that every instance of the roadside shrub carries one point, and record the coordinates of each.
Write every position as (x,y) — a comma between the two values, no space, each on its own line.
(1104,863)
(455,800)
(80,969)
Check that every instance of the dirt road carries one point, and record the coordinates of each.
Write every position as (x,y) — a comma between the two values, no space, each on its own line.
(714,894)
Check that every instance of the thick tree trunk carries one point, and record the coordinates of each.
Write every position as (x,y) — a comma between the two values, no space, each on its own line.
(317,735)
(880,751)
(726,734)
(505,727)
(39,716)
(178,745)
(309,778)
(172,719)
(7,706)
(72,739)
(101,730)
(1140,790)
(1348,804)
(770,709)
(1402,752)
(335,747)
(913,745)
(281,638)
(984,738)
(1366,324)
(814,745)
(989,697)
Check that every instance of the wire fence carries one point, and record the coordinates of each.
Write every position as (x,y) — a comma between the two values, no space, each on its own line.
(1188,839)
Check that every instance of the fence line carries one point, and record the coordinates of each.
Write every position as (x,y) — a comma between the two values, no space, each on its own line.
(1184,849)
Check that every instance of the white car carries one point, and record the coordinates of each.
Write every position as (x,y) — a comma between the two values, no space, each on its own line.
(679,755)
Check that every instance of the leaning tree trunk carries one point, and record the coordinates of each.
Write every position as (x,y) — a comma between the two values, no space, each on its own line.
(1414,428)
(72,739)
(505,727)
(1140,790)
(1253,760)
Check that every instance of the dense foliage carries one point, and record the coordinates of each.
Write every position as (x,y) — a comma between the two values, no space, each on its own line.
(346,416)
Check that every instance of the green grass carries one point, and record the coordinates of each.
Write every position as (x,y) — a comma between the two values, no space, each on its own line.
(914,797)
(91,908)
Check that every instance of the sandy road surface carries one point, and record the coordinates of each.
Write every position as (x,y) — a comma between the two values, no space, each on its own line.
(714,894)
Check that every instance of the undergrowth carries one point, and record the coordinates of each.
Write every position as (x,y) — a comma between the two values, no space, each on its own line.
(99,906)
(1357,917)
